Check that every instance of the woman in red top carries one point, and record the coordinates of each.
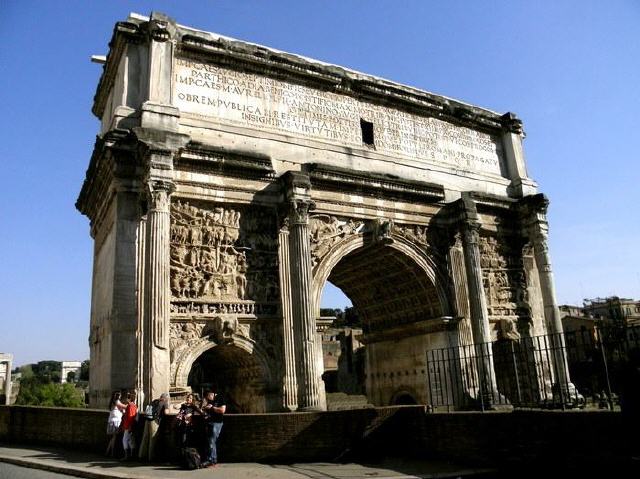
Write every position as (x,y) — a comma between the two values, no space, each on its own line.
(128,421)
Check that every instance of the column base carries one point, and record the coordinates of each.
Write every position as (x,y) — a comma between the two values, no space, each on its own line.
(310,409)
(494,402)
(566,395)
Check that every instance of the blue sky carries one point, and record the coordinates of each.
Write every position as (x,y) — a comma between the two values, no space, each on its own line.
(569,69)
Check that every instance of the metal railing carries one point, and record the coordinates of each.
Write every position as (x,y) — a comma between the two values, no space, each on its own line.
(575,369)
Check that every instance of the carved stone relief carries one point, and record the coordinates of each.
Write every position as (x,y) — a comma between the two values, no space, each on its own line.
(327,231)
(185,334)
(504,281)
(414,233)
(223,260)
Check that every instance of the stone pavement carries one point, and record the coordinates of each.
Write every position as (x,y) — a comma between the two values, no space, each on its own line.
(93,466)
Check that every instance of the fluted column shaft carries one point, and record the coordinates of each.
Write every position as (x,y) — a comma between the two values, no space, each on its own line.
(157,292)
(289,383)
(479,314)
(310,393)
(140,296)
(539,238)
(536,228)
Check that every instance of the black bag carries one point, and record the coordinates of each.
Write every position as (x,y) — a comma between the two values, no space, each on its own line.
(191,458)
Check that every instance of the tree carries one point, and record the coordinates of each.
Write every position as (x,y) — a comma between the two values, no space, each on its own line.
(48,371)
(84,370)
(35,392)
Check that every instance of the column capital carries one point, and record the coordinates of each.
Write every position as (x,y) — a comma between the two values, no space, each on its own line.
(297,194)
(299,212)
(468,221)
(533,213)
(158,193)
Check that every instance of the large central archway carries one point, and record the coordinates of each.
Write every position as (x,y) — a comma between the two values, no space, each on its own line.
(401,298)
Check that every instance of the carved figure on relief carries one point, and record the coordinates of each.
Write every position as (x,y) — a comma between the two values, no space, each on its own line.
(327,231)
(209,253)
(182,335)
(414,233)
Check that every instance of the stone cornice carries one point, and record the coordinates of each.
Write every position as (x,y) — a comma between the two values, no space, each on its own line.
(372,184)
(211,159)
(245,56)
(487,200)
(113,157)
(123,33)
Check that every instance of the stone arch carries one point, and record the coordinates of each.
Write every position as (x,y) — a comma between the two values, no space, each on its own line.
(400,290)
(199,347)
(404,396)
(417,254)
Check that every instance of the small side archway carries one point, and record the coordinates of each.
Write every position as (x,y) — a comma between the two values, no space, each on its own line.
(404,398)
(237,368)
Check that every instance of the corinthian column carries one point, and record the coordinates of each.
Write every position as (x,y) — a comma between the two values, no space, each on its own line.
(157,293)
(311,395)
(537,229)
(480,328)
(289,383)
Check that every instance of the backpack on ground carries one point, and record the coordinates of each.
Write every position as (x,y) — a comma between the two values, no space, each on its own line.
(191,458)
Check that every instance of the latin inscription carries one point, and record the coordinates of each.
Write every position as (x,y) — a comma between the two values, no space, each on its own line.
(254,101)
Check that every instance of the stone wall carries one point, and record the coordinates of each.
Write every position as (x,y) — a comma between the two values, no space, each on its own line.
(531,439)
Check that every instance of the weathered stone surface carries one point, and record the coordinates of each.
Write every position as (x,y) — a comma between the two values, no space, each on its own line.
(231,181)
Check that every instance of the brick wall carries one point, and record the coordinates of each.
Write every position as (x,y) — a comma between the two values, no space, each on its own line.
(491,438)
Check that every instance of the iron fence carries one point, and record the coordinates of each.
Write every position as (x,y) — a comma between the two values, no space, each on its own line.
(583,368)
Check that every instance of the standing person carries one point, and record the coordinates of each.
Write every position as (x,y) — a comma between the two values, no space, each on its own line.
(188,410)
(213,408)
(153,418)
(116,407)
(128,423)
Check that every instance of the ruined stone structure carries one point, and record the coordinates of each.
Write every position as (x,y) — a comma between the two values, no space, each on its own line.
(70,367)
(230,181)
(5,378)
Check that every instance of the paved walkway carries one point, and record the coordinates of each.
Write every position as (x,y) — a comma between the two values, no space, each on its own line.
(90,465)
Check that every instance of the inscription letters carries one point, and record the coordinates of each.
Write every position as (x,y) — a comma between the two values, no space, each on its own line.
(250,100)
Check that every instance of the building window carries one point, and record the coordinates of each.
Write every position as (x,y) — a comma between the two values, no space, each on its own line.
(367,132)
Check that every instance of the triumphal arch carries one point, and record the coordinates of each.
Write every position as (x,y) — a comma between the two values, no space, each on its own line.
(230,181)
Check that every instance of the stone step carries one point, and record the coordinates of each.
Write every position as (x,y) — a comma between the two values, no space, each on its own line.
(339,401)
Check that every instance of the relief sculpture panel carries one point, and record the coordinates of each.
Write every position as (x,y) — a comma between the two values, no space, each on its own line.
(414,233)
(504,283)
(327,231)
(223,260)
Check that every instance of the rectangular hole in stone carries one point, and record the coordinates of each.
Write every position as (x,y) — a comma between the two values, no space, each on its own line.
(367,132)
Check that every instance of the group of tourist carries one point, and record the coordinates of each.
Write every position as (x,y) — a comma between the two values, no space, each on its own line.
(198,426)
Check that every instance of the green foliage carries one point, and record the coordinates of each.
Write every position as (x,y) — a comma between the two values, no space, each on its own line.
(349,317)
(84,371)
(26,371)
(330,312)
(48,371)
(36,392)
